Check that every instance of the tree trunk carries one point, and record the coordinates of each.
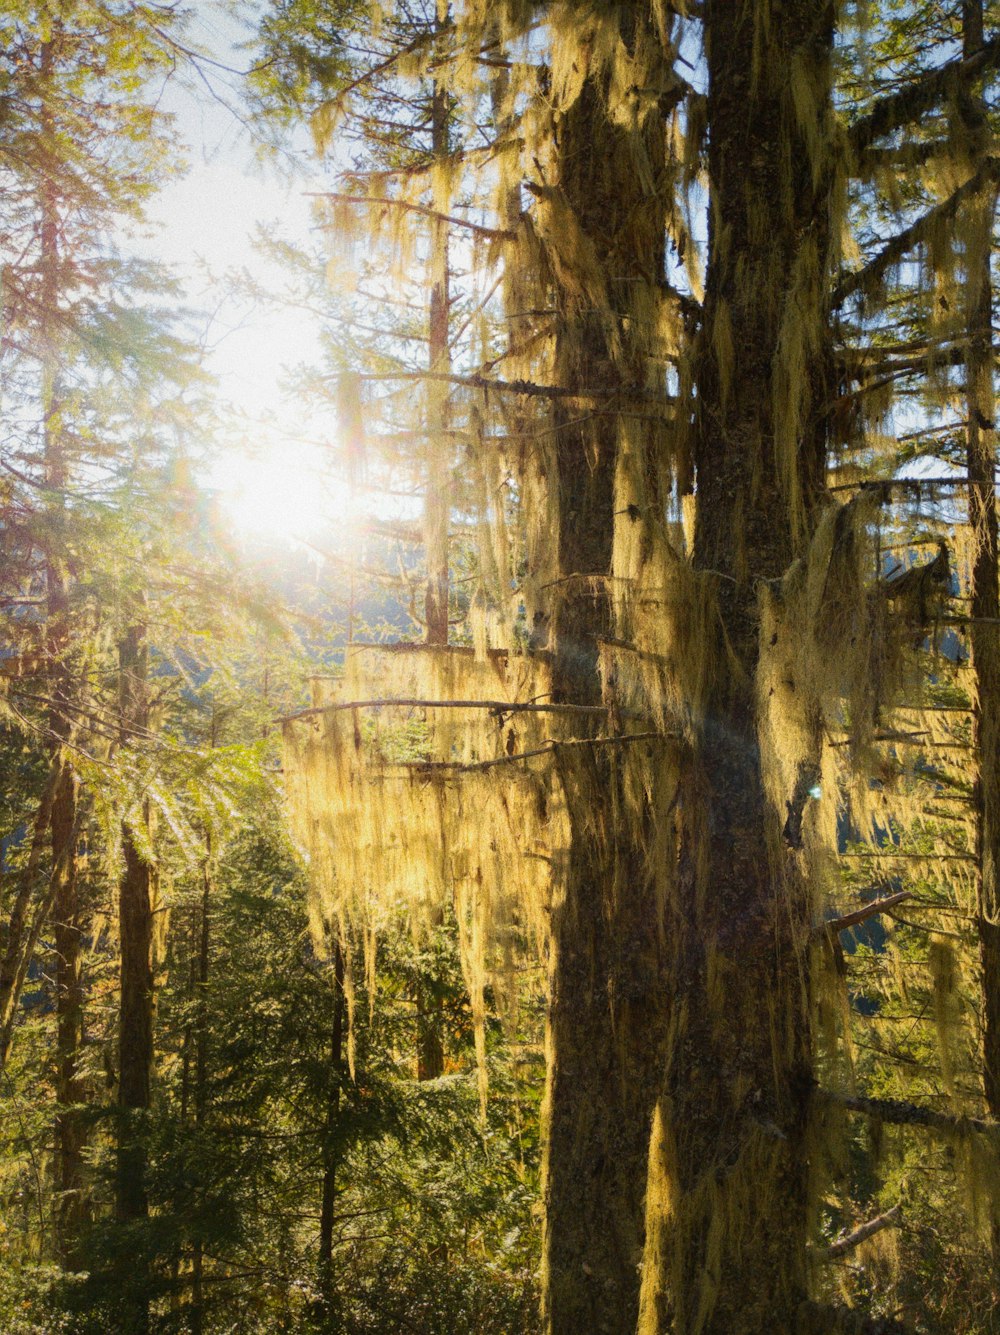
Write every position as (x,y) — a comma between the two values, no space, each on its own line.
(70,1129)
(201,1071)
(437,500)
(727,1218)
(22,926)
(135,1025)
(438,495)
(607,993)
(985,601)
(331,1157)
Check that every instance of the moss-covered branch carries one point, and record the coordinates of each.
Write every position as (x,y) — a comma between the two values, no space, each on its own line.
(897,1112)
(868,278)
(909,103)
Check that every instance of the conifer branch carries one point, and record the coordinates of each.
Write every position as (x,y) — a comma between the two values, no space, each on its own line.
(494,233)
(910,103)
(527,388)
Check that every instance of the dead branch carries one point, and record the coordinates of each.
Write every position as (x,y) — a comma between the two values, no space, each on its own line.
(462,767)
(497,707)
(835,925)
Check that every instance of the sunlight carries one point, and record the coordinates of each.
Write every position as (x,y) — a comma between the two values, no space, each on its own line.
(281,490)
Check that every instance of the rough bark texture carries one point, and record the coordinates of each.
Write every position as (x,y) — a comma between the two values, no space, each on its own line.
(607,988)
(726,1247)
(985,601)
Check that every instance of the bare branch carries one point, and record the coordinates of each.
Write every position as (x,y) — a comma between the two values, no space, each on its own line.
(460,767)
(494,233)
(498,707)
(835,925)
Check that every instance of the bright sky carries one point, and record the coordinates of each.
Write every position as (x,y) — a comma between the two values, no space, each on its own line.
(270,482)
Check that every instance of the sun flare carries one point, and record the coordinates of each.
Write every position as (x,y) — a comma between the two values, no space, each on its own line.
(283,490)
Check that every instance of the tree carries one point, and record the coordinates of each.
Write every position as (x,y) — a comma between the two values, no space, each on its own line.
(770,385)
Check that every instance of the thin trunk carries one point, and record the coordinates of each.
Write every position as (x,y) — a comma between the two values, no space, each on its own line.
(607,994)
(331,1156)
(135,1028)
(438,496)
(70,1128)
(437,503)
(727,1220)
(22,929)
(197,1320)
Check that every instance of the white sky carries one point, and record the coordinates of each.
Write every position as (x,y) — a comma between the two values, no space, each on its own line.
(204,223)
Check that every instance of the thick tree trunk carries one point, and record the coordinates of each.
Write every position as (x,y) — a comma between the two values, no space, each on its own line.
(607,1000)
(727,1219)
(985,601)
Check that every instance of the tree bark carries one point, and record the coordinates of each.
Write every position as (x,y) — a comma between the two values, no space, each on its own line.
(22,926)
(331,1156)
(727,1217)
(135,1001)
(985,590)
(607,992)
(197,1314)
(438,495)
(70,1128)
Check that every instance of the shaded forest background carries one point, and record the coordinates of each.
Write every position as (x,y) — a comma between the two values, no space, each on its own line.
(569,900)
